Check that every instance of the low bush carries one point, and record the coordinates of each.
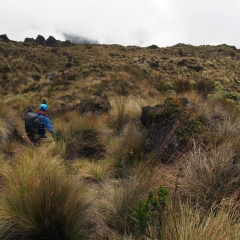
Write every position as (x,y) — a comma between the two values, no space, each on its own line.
(149,214)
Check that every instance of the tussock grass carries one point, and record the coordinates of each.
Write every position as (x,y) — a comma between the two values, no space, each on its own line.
(129,109)
(118,113)
(183,221)
(10,126)
(122,197)
(41,200)
(7,118)
(229,127)
(131,145)
(82,136)
(209,177)
(91,171)
(192,96)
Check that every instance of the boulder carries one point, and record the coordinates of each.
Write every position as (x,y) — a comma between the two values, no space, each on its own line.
(40,40)
(4,38)
(153,46)
(29,40)
(169,128)
(144,115)
(51,42)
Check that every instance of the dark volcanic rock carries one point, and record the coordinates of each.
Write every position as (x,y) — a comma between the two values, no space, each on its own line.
(153,47)
(4,38)
(169,128)
(40,40)
(29,40)
(190,63)
(51,41)
(154,65)
(144,115)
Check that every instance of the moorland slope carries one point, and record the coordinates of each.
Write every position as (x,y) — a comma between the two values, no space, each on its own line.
(146,142)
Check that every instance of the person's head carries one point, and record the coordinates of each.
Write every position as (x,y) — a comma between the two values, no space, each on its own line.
(43,107)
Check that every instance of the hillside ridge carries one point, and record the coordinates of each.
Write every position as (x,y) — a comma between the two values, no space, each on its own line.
(107,70)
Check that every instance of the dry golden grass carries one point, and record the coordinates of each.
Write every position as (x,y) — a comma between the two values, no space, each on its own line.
(131,145)
(10,123)
(106,188)
(91,171)
(42,200)
(128,109)
(210,176)
(183,221)
(121,197)
(82,137)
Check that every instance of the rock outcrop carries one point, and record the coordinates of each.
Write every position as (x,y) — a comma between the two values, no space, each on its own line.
(40,40)
(4,38)
(170,127)
(51,42)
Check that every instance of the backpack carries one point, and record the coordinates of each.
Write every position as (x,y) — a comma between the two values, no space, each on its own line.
(32,125)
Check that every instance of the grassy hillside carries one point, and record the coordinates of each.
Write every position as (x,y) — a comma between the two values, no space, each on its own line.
(96,177)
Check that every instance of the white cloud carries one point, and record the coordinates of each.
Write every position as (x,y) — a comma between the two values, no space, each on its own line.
(125,22)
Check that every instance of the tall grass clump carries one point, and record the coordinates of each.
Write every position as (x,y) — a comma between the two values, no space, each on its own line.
(118,113)
(210,176)
(219,110)
(122,198)
(41,201)
(184,221)
(129,109)
(82,136)
(182,86)
(131,145)
(91,171)
(7,122)
(229,127)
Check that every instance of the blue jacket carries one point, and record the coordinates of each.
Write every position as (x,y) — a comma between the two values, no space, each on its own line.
(46,124)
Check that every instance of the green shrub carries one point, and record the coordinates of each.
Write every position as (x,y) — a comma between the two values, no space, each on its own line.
(149,214)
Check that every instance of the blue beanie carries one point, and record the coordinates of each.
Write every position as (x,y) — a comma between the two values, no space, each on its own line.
(43,107)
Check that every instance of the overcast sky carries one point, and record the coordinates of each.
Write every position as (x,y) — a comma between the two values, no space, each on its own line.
(125,22)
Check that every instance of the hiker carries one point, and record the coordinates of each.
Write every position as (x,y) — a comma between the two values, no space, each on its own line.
(37,123)
(46,123)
